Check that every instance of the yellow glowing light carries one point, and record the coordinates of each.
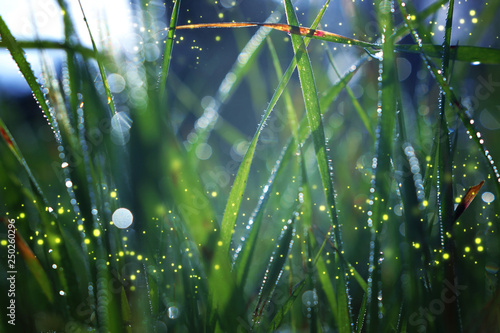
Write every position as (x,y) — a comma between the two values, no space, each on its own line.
(477,240)
(97,232)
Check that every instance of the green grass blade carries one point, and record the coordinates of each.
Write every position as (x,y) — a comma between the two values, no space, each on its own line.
(382,162)
(311,101)
(275,267)
(19,57)
(328,96)
(243,254)
(362,113)
(169,44)
(100,64)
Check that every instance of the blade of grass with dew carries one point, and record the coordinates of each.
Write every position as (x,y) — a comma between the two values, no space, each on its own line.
(275,267)
(461,111)
(381,163)
(362,313)
(19,57)
(362,114)
(310,95)
(243,254)
(328,96)
(169,44)
(100,64)
(451,315)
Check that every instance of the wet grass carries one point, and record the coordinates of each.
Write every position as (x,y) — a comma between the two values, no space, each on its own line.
(365,200)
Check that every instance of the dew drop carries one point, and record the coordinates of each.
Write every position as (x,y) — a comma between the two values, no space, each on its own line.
(173,312)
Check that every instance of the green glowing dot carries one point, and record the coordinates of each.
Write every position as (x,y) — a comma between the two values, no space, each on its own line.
(97,233)
(480,248)
(40,242)
(477,240)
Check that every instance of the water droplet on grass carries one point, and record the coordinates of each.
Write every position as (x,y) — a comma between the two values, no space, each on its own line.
(173,312)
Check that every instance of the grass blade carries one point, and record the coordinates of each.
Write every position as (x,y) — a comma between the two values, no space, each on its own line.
(19,57)
(288,28)
(167,55)
(362,113)
(310,95)
(382,163)
(100,64)
(275,267)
